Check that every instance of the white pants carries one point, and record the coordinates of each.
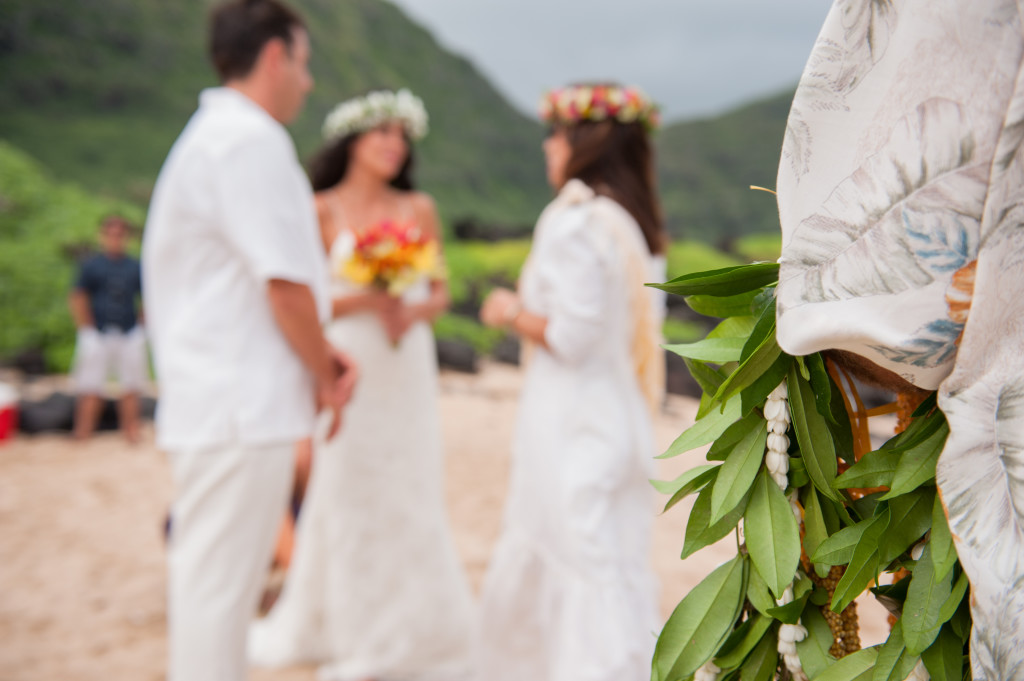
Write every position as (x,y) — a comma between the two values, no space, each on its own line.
(229,501)
(100,354)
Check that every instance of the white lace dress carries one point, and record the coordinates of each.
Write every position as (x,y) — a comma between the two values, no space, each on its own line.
(375,588)
(570,594)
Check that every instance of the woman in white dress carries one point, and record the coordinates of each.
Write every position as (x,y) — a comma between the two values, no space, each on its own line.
(570,594)
(375,589)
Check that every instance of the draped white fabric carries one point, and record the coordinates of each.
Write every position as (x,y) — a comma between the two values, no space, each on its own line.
(570,594)
(376,589)
(901,196)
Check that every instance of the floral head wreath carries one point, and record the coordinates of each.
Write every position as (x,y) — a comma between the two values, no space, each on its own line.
(365,113)
(578,103)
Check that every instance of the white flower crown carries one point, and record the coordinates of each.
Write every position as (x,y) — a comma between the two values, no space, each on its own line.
(365,113)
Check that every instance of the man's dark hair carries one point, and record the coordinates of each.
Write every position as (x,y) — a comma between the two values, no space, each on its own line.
(239,29)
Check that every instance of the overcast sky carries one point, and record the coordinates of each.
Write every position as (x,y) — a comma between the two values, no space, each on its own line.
(695,57)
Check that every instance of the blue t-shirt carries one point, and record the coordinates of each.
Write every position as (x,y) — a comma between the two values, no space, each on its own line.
(112,284)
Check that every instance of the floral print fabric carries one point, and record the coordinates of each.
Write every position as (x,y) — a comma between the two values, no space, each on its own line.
(901,198)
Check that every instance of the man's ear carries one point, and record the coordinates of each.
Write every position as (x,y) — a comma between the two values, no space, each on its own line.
(274,52)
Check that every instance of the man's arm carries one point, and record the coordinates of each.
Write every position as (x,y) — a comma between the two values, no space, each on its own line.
(81,312)
(334,372)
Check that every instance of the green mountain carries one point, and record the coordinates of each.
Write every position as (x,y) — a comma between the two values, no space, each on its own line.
(98,90)
(706,167)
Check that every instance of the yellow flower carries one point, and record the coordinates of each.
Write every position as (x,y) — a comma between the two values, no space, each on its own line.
(358,271)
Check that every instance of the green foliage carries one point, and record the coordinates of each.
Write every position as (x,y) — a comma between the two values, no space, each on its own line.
(737,365)
(773,536)
(726,282)
(689,255)
(681,331)
(456,327)
(758,247)
(476,267)
(99,90)
(701,622)
(706,167)
(43,224)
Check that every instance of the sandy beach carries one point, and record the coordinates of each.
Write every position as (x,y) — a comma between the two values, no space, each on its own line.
(82,572)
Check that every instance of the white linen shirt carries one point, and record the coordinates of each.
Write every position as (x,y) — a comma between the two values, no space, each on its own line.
(231,210)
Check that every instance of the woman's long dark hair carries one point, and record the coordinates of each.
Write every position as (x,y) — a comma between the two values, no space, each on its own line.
(615,160)
(329,165)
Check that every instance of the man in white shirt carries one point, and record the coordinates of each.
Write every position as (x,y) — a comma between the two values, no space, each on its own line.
(235,291)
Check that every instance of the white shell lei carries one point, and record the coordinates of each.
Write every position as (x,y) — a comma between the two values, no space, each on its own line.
(707,672)
(776,412)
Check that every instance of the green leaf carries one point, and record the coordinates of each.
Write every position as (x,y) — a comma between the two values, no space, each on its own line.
(813,650)
(956,596)
(838,548)
(763,330)
(856,666)
(894,663)
(762,662)
(758,594)
(919,430)
(755,394)
(943,551)
(911,516)
(918,463)
(961,622)
(815,531)
(733,327)
(707,378)
(738,472)
(790,612)
(892,596)
(752,368)
(813,436)
(750,632)
(822,384)
(863,567)
(801,366)
(739,305)
(819,596)
(700,623)
(798,472)
(842,432)
(875,469)
(925,598)
(930,403)
(705,430)
(685,479)
(692,486)
(944,658)
(728,281)
(735,433)
(835,514)
(700,532)
(772,534)
(717,350)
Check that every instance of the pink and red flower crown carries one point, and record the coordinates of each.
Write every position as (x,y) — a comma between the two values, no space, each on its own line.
(579,103)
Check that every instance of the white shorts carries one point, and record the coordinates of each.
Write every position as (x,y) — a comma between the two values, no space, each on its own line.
(100,354)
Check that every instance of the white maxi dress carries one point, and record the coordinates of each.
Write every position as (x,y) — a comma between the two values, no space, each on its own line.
(376,589)
(570,594)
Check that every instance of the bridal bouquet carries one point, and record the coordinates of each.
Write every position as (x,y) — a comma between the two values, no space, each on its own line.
(392,256)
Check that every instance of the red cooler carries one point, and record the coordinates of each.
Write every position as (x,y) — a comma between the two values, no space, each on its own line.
(8,412)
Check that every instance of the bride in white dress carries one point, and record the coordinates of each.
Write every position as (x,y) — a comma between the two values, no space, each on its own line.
(375,589)
(570,594)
